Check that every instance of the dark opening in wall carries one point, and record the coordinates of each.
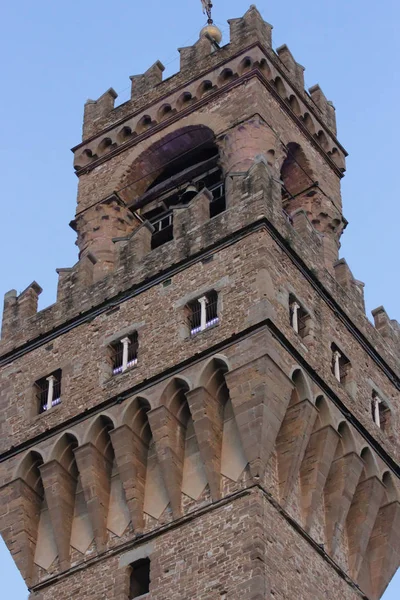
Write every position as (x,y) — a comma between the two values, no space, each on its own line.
(48,391)
(203,313)
(140,578)
(341,366)
(300,320)
(380,412)
(124,353)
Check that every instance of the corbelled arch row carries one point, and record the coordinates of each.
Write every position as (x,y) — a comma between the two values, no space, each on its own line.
(217,428)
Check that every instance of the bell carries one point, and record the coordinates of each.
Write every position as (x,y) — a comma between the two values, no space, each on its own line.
(190,192)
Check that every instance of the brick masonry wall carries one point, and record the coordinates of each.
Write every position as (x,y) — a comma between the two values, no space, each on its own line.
(243,549)
(303,435)
(252,279)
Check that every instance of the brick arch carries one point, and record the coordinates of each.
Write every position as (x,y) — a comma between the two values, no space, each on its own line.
(63,452)
(370,465)
(347,441)
(98,433)
(296,170)
(145,169)
(28,470)
(135,416)
(324,417)
(212,377)
(173,397)
(392,492)
(302,390)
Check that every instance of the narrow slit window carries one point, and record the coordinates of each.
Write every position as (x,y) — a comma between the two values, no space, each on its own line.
(125,353)
(48,391)
(203,313)
(341,366)
(139,579)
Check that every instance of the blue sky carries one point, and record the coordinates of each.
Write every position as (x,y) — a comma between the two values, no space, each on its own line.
(58,54)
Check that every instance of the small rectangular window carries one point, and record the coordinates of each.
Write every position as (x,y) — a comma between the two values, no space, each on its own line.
(341,366)
(380,412)
(203,313)
(124,353)
(300,320)
(140,578)
(218,201)
(163,229)
(48,391)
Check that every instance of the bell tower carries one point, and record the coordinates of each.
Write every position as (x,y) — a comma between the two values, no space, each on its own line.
(206,412)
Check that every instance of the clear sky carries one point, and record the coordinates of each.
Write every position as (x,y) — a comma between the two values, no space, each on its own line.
(58,54)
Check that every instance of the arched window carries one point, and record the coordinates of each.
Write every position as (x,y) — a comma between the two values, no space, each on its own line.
(296,173)
(180,167)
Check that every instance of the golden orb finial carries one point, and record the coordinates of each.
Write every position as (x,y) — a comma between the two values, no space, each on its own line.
(213,32)
(210,30)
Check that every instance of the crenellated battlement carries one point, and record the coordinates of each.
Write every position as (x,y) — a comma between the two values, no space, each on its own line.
(205,69)
(254,196)
(208,355)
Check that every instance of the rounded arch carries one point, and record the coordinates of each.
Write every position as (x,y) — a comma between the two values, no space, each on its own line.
(173,397)
(370,465)
(245,65)
(135,416)
(309,123)
(98,434)
(204,88)
(225,76)
(280,87)
(302,389)
(392,492)
(124,134)
(183,99)
(144,124)
(296,172)
(166,157)
(322,140)
(63,452)
(265,68)
(347,442)
(294,105)
(212,377)
(29,471)
(324,413)
(104,146)
(164,112)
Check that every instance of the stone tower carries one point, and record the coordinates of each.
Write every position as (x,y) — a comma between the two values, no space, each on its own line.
(206,413)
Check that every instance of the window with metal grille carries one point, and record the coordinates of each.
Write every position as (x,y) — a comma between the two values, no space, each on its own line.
(380,412)
(124,353)
(203,313)
(48,391)
(341,366)
(300,320)
(140,578)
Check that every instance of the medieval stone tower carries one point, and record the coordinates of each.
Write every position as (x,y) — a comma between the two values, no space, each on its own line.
(206,412)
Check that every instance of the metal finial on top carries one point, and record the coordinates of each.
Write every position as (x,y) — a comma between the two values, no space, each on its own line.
(207,8)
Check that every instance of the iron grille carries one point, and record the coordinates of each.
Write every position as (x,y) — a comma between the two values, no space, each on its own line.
(195,311)
(118,354)
(42,391)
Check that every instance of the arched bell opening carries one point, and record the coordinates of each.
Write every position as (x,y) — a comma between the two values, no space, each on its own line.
(171,173)
(297,178)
